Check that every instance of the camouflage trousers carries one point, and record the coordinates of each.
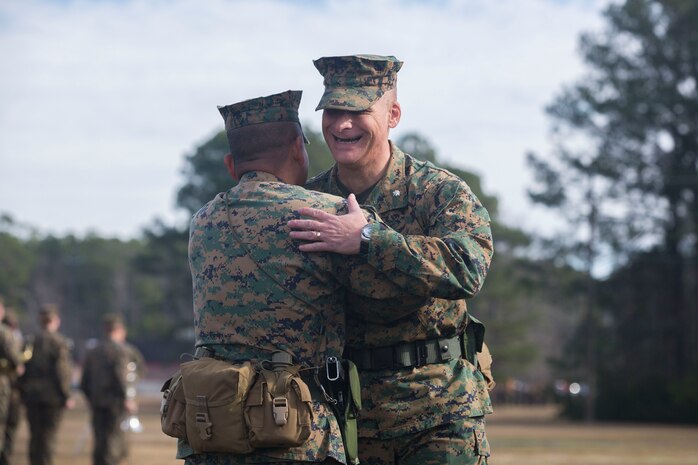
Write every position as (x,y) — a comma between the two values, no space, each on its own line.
(43,426)
(462,442)
(5,398)
(13,415)
(110,446)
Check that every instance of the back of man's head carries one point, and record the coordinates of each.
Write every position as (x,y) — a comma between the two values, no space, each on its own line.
(262,141)
(262,127)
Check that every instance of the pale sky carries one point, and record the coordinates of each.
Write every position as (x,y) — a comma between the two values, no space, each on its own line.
(100,101)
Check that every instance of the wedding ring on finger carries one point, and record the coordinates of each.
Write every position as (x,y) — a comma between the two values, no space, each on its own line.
(317,234)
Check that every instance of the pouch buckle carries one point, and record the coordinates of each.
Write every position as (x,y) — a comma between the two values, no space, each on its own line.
(280,410)
(204,425)
(203,420)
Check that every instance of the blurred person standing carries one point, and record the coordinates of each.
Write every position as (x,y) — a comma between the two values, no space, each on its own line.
(15,407)
(46,385)
(10,366)
(110,372)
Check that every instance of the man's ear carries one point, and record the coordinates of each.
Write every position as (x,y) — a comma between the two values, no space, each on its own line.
(394,114)
(297,152)
(228,160)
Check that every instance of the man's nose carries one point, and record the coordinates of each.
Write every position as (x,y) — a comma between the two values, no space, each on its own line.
(344,121)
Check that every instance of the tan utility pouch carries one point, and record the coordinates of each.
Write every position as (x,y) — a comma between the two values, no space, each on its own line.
(172,408)
(215,393)
(279,410)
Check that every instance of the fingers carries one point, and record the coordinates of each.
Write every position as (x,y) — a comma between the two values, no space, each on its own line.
(314,213)
(306,235)
(352,204)
(314,247)
(304,225)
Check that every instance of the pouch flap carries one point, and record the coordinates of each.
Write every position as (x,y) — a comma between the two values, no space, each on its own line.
(278,382)
(214,379)
(255,397)
(302,390)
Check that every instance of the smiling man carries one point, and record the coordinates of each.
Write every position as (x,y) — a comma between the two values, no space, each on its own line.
(424,396)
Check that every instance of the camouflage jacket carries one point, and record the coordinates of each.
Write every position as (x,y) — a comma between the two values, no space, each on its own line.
(110,372)
(10,357)
(438,233)
(255,292)
(48,374)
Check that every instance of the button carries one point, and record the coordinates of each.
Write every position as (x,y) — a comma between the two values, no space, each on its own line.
(444,348)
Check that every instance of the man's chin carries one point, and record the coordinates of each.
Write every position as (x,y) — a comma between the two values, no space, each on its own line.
(345,154)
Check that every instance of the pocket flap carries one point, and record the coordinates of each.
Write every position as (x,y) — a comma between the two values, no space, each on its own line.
(255,397)
(302,390)
(215,379)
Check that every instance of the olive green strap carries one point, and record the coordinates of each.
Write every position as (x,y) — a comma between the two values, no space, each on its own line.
(351,435)
(351,440)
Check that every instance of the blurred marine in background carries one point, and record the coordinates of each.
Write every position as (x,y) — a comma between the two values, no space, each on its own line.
(46,385)
(14,406)
(110,372)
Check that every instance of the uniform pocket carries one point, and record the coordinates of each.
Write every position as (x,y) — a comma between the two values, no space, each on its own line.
(215,392)
(278,411)
(173,408)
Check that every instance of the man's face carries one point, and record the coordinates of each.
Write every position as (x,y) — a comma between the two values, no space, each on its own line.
(358,138)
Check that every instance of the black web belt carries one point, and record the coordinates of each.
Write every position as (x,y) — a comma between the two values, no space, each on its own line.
(205,352)
(407,354)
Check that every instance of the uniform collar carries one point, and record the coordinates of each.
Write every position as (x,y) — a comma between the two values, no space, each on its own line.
(391,191)
(258,176)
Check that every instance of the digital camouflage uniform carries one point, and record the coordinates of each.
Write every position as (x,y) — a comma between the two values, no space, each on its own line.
(243,313)
(45,388)
(110,371)
(10,359)
(15,407)
(440,233)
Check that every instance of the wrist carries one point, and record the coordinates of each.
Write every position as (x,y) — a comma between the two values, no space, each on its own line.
(365,235)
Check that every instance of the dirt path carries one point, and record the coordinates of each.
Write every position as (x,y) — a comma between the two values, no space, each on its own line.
(533,436)
(518,435)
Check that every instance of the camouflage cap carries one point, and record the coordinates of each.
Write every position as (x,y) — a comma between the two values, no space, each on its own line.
(354,82)
(270,109)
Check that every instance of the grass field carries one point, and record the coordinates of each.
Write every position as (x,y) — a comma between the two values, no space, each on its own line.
(518,435)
